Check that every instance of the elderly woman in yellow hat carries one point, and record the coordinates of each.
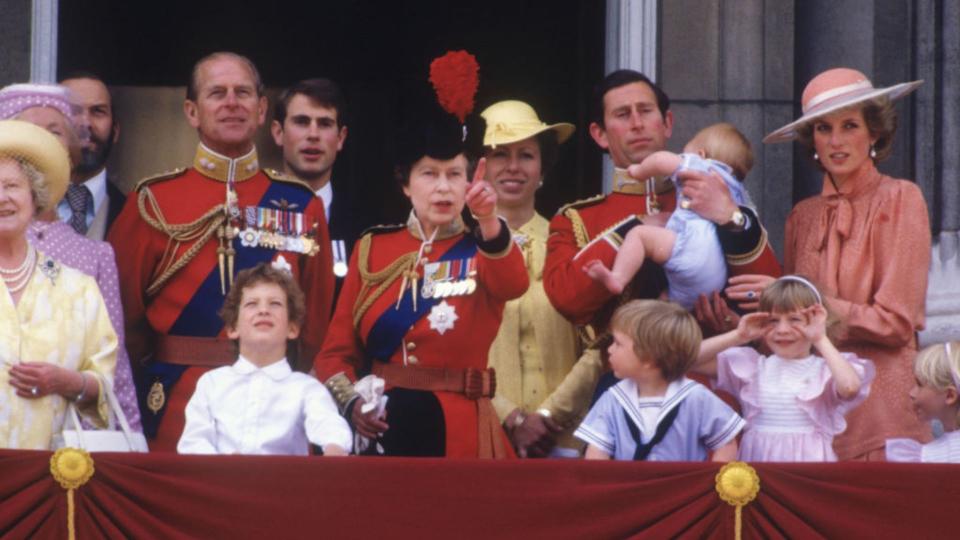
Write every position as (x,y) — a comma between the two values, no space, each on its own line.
(866,241)
(49,106)
(535,347)
(56,341)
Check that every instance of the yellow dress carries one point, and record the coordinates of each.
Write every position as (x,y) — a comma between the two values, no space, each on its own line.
(535,347)
(61,319)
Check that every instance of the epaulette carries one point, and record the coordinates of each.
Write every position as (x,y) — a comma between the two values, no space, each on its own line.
(158,177)
(582,203)
(274,174)
(381,229)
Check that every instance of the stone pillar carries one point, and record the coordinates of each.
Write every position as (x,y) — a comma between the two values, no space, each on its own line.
(631,44)
(43,55)
(937,158)
(733,62)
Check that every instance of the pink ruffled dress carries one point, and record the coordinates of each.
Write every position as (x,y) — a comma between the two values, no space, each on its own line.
(791,407)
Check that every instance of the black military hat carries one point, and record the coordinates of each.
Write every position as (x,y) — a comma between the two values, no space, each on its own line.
(436,122)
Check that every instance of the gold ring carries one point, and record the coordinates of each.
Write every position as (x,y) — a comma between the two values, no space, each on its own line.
(727,319)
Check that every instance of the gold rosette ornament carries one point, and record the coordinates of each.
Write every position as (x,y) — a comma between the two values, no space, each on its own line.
(71,468)
(737,485)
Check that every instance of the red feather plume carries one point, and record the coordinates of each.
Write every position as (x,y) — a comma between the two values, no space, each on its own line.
(454,76)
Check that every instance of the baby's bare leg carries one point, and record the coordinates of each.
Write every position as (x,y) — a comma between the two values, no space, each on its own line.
(641,242)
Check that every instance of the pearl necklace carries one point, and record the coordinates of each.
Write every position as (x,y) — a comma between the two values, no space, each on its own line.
(17,278)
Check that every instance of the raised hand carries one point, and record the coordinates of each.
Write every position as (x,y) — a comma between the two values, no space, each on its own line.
(753,326)
(481,198)
(815,328)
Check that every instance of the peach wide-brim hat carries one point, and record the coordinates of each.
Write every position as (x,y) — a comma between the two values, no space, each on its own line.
(37,146)
(511,121)
(833,90)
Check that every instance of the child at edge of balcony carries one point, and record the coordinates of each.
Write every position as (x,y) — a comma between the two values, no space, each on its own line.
(794,400)
(655,413)
(259,405)
(935,396)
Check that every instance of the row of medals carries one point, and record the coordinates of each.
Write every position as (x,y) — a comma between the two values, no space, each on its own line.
(447,286)
(292,238)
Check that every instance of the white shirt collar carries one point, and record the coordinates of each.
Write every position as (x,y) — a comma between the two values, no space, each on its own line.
(277,371)
(98,188)
(326,193)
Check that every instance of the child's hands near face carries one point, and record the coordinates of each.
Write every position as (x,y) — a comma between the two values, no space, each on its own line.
(815,328)
(753,326)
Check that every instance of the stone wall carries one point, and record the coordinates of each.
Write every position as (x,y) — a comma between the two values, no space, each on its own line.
(733,62)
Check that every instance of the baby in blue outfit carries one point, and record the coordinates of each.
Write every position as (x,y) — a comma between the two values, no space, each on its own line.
(687,245)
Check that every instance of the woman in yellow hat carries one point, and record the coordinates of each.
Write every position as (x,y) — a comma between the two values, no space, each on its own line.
(56,340)
(535,347)
(865,240)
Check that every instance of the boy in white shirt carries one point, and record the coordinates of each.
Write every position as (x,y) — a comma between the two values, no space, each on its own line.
(259,405)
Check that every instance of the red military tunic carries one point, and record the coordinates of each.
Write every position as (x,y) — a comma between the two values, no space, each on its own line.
(188,302)
(599,225)
(457,335)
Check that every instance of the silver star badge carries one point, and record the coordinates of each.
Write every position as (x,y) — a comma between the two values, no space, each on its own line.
(442,316)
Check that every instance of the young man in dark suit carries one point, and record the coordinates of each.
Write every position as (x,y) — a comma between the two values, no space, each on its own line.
(310,125)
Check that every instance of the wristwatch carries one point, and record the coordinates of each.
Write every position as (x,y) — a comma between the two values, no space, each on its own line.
(738,221)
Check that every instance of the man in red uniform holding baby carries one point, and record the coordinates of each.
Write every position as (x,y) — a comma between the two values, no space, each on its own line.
(631,119)
(184,235)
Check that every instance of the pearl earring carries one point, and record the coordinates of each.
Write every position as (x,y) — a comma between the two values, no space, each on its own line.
(873,152)
(540,184)
(816,156)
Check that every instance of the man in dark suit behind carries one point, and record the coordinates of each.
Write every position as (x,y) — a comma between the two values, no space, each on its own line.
(92,201)
(310,125)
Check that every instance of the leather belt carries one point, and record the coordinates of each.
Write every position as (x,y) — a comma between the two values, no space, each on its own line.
(477,384)
(471,382)
(195,351)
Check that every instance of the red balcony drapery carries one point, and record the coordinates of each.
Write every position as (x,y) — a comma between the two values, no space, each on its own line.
(171,496)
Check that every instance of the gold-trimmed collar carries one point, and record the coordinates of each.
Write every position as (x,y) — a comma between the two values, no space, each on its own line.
(451,229)
(624,183)
(221,168)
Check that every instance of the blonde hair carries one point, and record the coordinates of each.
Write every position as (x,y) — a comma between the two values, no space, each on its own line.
(723,142)
(661,330)
(938,366)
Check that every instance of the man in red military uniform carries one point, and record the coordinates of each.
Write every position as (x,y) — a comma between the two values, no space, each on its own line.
(631,120)
(182,237)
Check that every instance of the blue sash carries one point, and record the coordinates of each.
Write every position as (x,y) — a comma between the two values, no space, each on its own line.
(200,317)
(388,331)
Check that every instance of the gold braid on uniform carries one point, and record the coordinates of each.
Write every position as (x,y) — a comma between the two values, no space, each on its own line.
(579,228)
(199,231)
(381,280)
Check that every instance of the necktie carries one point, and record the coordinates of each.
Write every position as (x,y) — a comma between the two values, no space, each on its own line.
(79,198)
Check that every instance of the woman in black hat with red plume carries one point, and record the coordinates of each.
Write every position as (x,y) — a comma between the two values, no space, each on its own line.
(422,302)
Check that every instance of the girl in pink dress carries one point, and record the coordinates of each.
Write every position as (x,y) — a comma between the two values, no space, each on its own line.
(794,401)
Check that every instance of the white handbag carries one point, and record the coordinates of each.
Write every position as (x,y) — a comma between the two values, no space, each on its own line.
(108,440)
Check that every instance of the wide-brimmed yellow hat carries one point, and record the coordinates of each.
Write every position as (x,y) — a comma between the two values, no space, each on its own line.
(511,121)
(37,146)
